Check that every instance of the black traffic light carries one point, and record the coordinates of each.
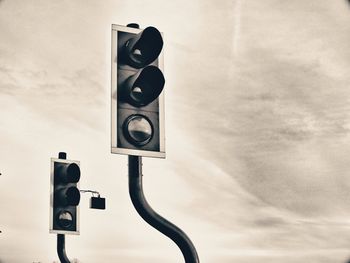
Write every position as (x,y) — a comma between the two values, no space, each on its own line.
(65,196)
(137,92)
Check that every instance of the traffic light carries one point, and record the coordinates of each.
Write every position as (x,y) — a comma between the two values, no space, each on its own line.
(65,196)
(137,92)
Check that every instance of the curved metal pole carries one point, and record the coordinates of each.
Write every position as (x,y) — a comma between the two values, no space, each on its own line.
(61,250)
(151,217)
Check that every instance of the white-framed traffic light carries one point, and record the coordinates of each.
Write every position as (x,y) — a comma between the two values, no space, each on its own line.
(64,196)
(137,97)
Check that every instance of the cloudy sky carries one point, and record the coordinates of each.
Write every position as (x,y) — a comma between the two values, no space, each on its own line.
(257,128)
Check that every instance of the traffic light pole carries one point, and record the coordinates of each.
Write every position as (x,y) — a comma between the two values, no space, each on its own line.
(151,217)
(61,249)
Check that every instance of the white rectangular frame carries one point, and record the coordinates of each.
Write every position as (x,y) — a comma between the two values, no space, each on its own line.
(53,231)
(114,101)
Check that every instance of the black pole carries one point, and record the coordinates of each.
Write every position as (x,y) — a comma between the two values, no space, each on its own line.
(61,250)
(151,217)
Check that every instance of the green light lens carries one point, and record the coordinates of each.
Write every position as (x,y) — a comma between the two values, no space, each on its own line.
(139,130)
(65,219)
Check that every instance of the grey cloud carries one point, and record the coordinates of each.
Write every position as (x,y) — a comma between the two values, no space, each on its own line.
(273,107)
(265,96)
(61,96)
(269,222)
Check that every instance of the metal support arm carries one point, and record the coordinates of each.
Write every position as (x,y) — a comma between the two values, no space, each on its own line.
(151,217)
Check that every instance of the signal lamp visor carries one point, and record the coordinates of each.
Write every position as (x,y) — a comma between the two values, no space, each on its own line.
(68,196)
(138,130)
(144,48)
(145,87)
(68,172)
(73,173)
(73,196)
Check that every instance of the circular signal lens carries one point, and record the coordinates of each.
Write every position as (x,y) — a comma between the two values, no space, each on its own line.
(138,130)
(137,56)
(136,94)
(65,219)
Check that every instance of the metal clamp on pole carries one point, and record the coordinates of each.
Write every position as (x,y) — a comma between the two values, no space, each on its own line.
(151,217)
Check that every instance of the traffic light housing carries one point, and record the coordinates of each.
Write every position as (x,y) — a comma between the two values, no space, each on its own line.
(137,92)
(64,196)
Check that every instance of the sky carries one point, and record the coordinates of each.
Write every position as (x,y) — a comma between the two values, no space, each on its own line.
(257,130)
